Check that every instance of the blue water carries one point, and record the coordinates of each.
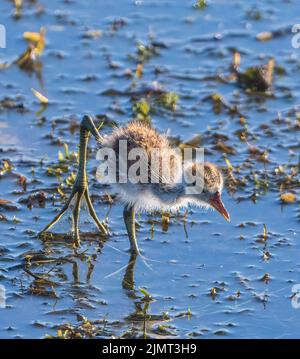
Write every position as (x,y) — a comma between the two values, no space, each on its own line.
(181,267)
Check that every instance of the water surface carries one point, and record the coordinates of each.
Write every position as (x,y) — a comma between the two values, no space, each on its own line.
(200,254)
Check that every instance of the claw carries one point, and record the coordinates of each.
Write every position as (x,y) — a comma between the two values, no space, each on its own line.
(80,188)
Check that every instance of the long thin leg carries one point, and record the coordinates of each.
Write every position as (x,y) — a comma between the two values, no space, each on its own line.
(92,212)
(76,211)
(129,219)
(80,187)
(58,217)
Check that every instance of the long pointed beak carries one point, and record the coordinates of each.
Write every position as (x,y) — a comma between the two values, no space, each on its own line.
(218,205)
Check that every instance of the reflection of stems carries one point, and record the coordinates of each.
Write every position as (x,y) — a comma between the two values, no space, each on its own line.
(152,231)
(184,226)
(144,328)
(41,110)
(145,310)
(108,211)
(128,280)
(75,272)
(91,267)
(39,278)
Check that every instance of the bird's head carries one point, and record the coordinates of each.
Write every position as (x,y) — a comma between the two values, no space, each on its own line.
(208,188)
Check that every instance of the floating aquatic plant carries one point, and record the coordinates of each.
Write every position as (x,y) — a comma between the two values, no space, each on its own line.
(168,100)
(146,52)
(200,4)
(18,7)
(141,110)
(255,78)
(288,197)
(5,168)
(139,70)
(43,99)
(37,39)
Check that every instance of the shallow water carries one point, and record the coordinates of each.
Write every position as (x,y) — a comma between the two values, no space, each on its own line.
(252,277)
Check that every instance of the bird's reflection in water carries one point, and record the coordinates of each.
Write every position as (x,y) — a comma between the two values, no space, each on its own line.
(142,323)
(50,267)
(128,279)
